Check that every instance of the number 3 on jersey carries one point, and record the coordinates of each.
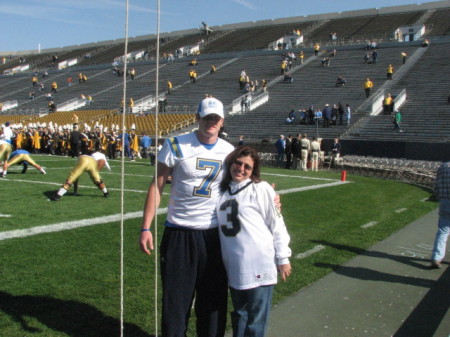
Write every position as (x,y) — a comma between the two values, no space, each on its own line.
(233,225)
(214,166)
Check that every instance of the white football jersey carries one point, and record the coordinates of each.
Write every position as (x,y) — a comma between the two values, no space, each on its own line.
(253,235)
(196,175)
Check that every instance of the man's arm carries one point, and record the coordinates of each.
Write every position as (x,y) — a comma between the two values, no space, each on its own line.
(151,204)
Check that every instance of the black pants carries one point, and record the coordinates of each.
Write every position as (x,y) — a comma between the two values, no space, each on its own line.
(191,264)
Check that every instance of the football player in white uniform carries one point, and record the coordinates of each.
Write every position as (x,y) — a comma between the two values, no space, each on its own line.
(254,241)
(191,261)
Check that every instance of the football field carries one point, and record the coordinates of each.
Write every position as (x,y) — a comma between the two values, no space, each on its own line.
(60,265)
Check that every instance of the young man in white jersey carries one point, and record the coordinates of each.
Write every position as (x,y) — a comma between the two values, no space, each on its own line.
(191,260)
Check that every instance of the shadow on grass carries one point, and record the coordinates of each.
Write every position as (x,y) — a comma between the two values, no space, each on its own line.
(73,318)
(411,261)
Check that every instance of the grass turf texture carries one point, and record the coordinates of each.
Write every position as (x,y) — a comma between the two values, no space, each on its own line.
(67,283)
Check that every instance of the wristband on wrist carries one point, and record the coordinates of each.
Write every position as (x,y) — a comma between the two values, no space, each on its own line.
(145,230)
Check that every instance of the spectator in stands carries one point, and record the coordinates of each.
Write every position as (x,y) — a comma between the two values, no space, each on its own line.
(89,100)
(49,96)
(264,85)
(32,95)
(442,193)
(326,115)
(425,43)
(325,62)
(334,115)
(374,57)
(333,53)
(194,62)
(41,87)
(241,141)
(335,151)
(396,120)
(301,56)
(69,81)
(54,87)
(163,104)
(132,73)
(341,113)
(404,56)
(247,103)
(341,81)
(280,146)
(389,71)
(80,77)
(348,113)
(34,80)
(51,107)
(45,74)
(292,115)
(366,58)
(288,78)
(213,69)
(169,87)
(368,84)
(131,104)
(388,104)
(193,75)
(316,49)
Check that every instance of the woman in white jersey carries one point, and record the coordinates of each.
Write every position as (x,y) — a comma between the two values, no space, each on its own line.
(254,241)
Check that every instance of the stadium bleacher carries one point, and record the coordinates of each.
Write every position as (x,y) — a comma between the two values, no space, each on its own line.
(233,49)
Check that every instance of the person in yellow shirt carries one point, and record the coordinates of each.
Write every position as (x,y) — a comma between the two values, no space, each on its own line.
(169,87)
(301,56)
(316,49)
(388,104)
(389,71)
(54,87)
(368,84)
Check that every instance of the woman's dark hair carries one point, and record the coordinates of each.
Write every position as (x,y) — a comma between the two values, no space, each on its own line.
(242,151)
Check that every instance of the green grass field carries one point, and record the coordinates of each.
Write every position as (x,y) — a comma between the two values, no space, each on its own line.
(67,282)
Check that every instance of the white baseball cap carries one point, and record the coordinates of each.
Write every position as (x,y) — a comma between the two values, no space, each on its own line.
(210,106)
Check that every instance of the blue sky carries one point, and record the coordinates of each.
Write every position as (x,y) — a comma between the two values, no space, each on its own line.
(26,24)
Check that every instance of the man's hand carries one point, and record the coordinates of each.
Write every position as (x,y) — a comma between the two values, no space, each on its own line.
(146,242)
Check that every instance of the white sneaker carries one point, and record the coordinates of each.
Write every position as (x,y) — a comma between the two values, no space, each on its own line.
(43,171)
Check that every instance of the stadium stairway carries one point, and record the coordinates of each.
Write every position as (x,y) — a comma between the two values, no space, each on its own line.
(315,85)
(426,113)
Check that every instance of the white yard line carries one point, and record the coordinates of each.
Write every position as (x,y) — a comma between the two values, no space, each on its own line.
(62,226)
(369,224)
(400,210)
(313,187)
(298,177)
(5,215)
(314,250)
(79,186)
(111,218)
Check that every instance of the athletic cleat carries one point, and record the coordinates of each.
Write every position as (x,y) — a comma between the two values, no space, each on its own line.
(106,194)
(43,171)
(56,198)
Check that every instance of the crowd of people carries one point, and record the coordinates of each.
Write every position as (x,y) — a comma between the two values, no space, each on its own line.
(335,115)
(70,140)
